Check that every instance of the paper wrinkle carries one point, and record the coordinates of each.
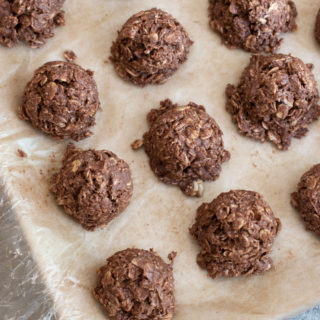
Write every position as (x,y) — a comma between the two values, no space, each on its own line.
(159,216)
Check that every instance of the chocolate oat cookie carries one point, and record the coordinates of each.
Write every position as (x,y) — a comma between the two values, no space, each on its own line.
(61,100)
(136,284)
(93,186)
(235,233)
(253,25)
(317,27)
(307,199)
(150,47)
(184,145)
(276,99)
(31,21)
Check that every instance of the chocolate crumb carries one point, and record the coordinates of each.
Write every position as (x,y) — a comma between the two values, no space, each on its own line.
(69,55)
(184,145)
(235,232)
(137,144)
(150,47)
(253,25)
(276,99)
(21,153)
(136,284)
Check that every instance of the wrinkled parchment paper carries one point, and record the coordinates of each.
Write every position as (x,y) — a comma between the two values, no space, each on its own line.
(159,216)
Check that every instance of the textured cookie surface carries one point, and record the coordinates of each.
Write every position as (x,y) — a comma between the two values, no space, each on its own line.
(307,199)
(235,233)
(31,21)
(136,284)
(276,99)
(253,25)
(150,47)
(93,186)
(61,100)
(184,145)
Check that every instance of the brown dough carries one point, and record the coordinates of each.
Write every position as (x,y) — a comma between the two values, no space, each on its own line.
(307,199)
(253,25)
(31,21)
(317,27)
(61,100)
(184,145)
(276,99)
(150,47)
(235,233)
(93,186)
(136,284)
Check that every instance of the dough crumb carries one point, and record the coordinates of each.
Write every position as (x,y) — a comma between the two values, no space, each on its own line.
(70,56)
(21,153)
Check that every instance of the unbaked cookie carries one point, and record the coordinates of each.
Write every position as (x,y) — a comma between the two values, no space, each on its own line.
(150,47)
(276,99)
(307,199)
(235,232)
(61,100)
(253,25)
(184,145)
(136,284)
(93,186)
(31,21)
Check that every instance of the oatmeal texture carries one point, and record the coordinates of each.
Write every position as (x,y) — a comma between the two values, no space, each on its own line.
(93,186)
(184,145)
(136,284)
(276,99)
(235,233)
(61,100)
(307,199)
(150,47)
(69,55)
(253,25)
(30,21)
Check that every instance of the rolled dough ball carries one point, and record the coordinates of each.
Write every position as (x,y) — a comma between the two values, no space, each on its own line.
(61,100)
(150,47)
(93,186)
(235,233)
(136,284)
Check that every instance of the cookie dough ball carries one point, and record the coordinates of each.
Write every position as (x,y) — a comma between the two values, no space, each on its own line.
(31,21)
(150,47)
(276,99)
(235,233)
(93,186)
(253,25)
(184,145)
(61,100)
(136,284)
(307,199)
(317,27)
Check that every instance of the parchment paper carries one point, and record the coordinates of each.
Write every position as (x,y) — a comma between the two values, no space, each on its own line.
(159,216)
